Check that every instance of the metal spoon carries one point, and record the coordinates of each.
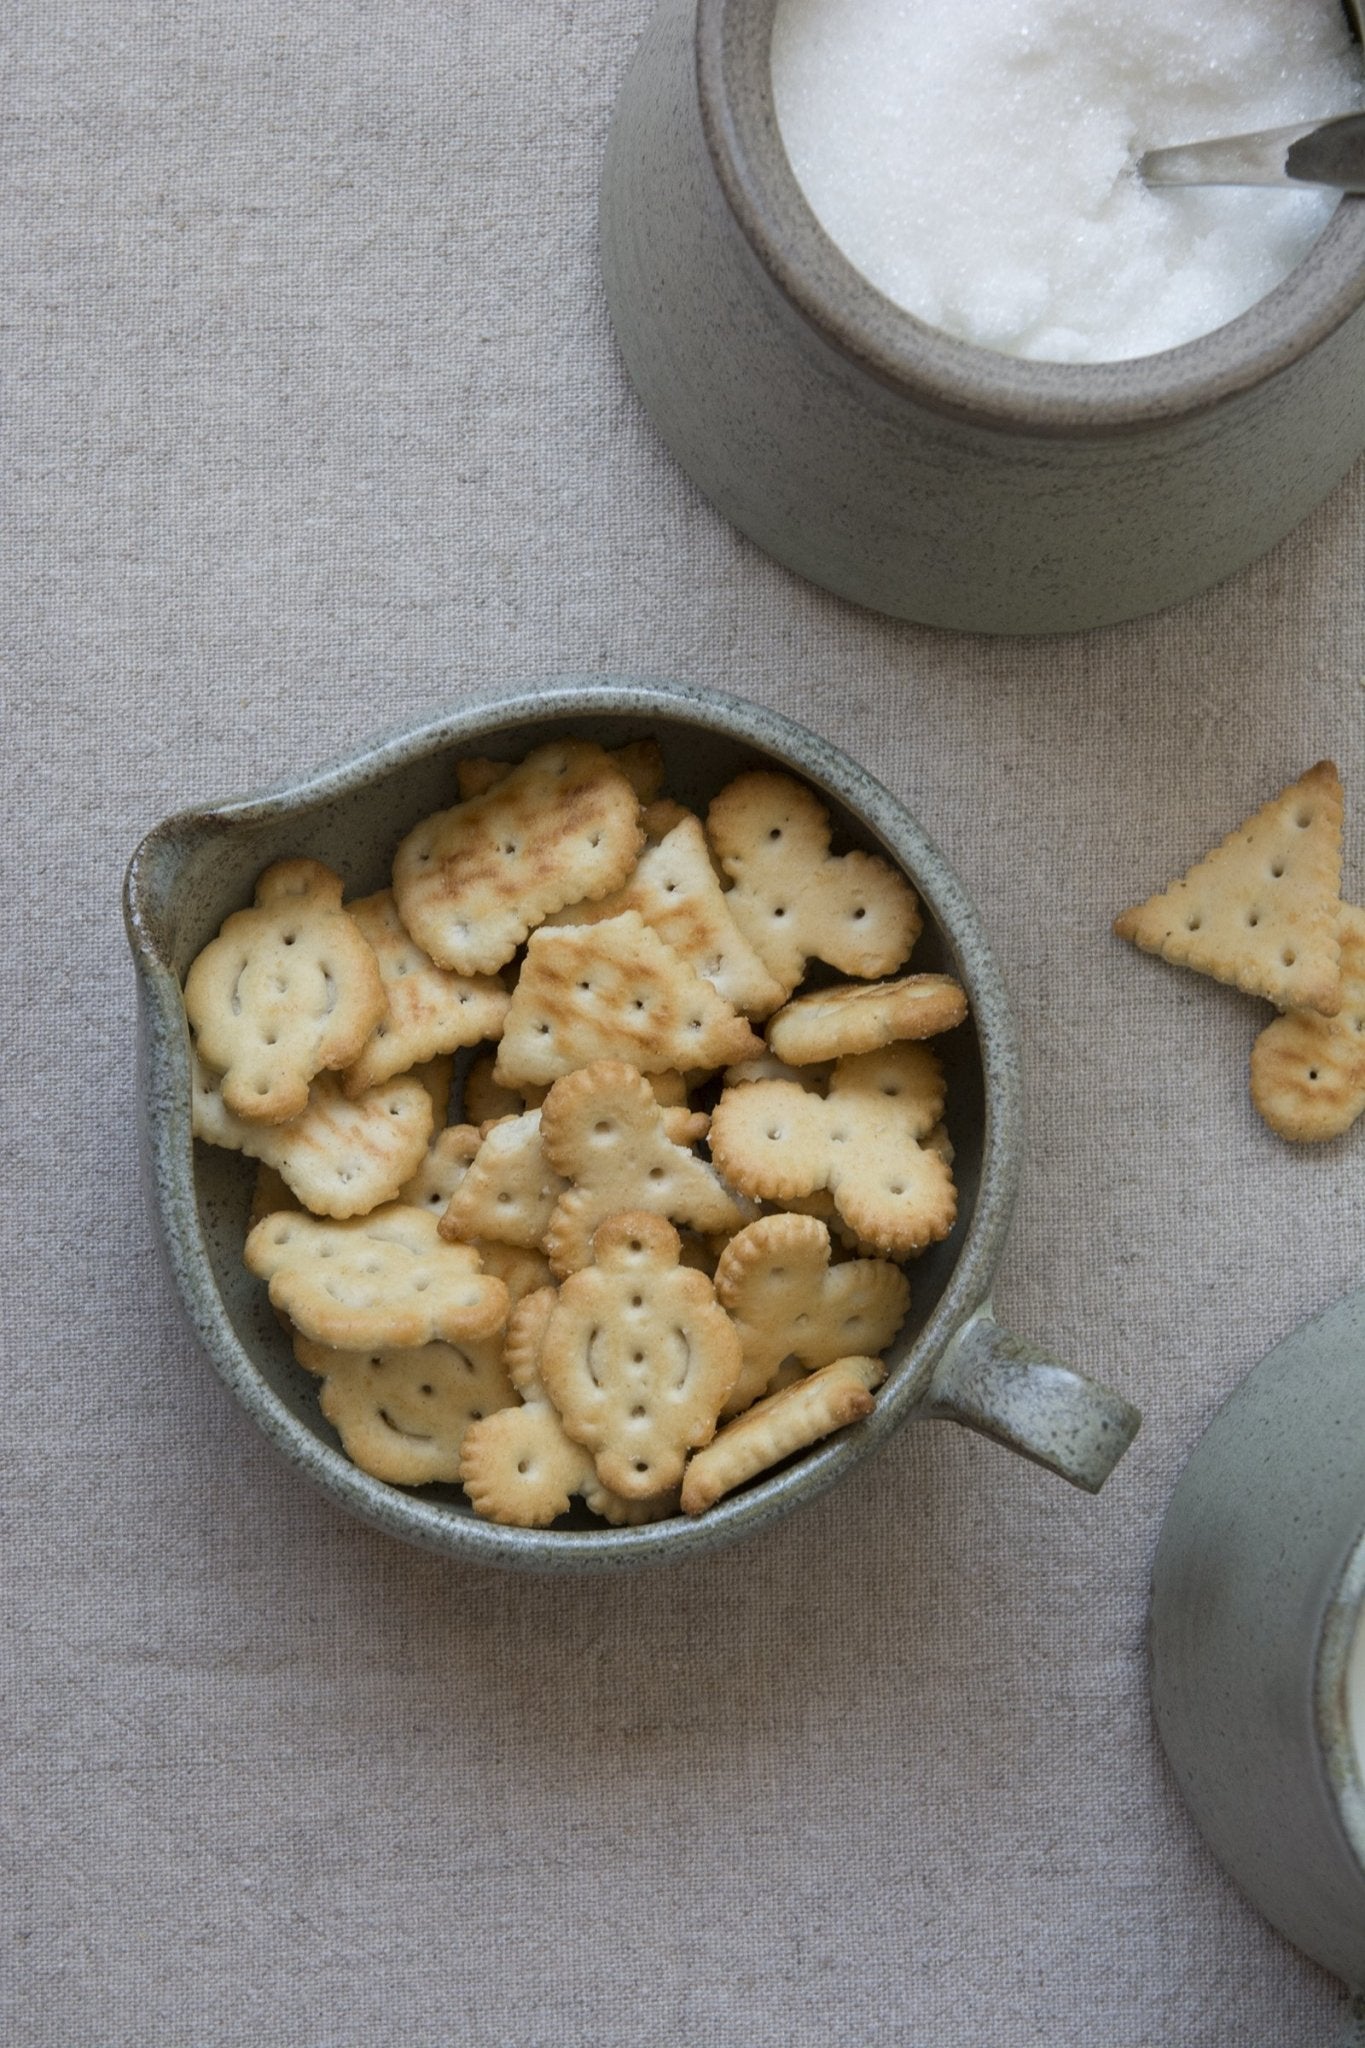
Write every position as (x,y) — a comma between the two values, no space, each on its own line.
(1328,153)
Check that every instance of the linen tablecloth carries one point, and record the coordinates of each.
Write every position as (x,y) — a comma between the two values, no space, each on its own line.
(315,422)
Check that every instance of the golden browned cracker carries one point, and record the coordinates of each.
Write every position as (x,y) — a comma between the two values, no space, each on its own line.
(613,991)
(340,1157)
(639,1358)
(864,1016)
(270,1194)
(375,1282)
(442,1169)
(402,1414)
(789,1305)
(864,1142)
(788,1421)
(767,1067)
(521,1469)
(510,1189)
(659,818)
(795,900)
(485,1102)
(605,1133)
(471,882)
(1261,911)
(640,761)
(430,1010)
(521,1271)
(287,990)
(437,1076)
(1307,1070)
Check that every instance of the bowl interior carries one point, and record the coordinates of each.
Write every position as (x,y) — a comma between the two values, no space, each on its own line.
(356,830)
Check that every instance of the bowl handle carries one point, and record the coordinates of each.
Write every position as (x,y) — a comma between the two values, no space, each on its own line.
(994,1382)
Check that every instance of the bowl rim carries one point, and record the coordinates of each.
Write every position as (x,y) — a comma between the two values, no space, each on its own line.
(959,378)
(149,893)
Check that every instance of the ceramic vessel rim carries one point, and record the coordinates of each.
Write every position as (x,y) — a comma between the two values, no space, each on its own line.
(957,377)
(1345,1768)
(562,698)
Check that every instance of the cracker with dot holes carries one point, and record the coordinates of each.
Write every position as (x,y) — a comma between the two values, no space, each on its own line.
(402,1414)
(378,1281)
(796,901)
(865,1141)
(792,1420)
(614,991)
(775,1281)
(341,1157)
(429,1010)
(1307,1070)
(1261,911)
(613,1145)
(638,1357)
(471,882)
(287,990)
(609,958)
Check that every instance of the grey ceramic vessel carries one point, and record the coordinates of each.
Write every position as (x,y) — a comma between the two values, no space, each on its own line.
(913,472)
(951,1359)
(1257,1590)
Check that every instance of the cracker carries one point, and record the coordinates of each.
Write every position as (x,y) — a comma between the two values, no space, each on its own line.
(792,898)
(767,1067)
(864,1016)
(287,990)
(614,991)
(791,1307)
(442,1169)
(437,1076)
(789,1421)
(607,1135)
(382,1281)
(518,1467)
(520,1271)
(640,761)
(510,1189)
(638,1357)
(675,890)
(340,1157)
(471,882)
(1261,911)
(402,1414)
(1307,1070)
(270,1194)
(430,1010)
(866,1142)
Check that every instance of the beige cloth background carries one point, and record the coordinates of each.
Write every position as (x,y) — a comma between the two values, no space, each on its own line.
(316,421)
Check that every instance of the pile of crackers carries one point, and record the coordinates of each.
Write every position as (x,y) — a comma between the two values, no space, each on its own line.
(1264,913)
(662,1249)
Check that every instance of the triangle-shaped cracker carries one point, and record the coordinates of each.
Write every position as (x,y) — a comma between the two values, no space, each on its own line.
(1261,911)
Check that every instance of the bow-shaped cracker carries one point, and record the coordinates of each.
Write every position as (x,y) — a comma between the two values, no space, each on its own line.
(795,900)
(865,1142)
(340,1157)
(375,1282)
(287,990)
(430,1010)
(614,991)
(606,1134)
(471,882)
(402,1414)
(777,1285)
(638,1357)
(518,1467)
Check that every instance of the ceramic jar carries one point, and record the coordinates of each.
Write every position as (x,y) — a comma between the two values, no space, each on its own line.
(912,472)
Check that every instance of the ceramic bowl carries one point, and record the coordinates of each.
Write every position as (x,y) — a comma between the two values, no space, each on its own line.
(904,468)
(950,1359)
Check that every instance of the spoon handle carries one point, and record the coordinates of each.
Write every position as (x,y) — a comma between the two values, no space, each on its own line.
(1311,153)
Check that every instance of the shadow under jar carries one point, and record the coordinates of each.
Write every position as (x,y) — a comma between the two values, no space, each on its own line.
(912,472)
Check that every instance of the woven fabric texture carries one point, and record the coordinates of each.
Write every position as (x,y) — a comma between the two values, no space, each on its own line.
(316,421)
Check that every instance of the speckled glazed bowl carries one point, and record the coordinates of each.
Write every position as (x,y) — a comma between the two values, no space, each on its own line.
(906,469)
(951,1358)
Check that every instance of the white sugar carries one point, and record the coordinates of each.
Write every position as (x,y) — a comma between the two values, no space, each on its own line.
(975,160)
